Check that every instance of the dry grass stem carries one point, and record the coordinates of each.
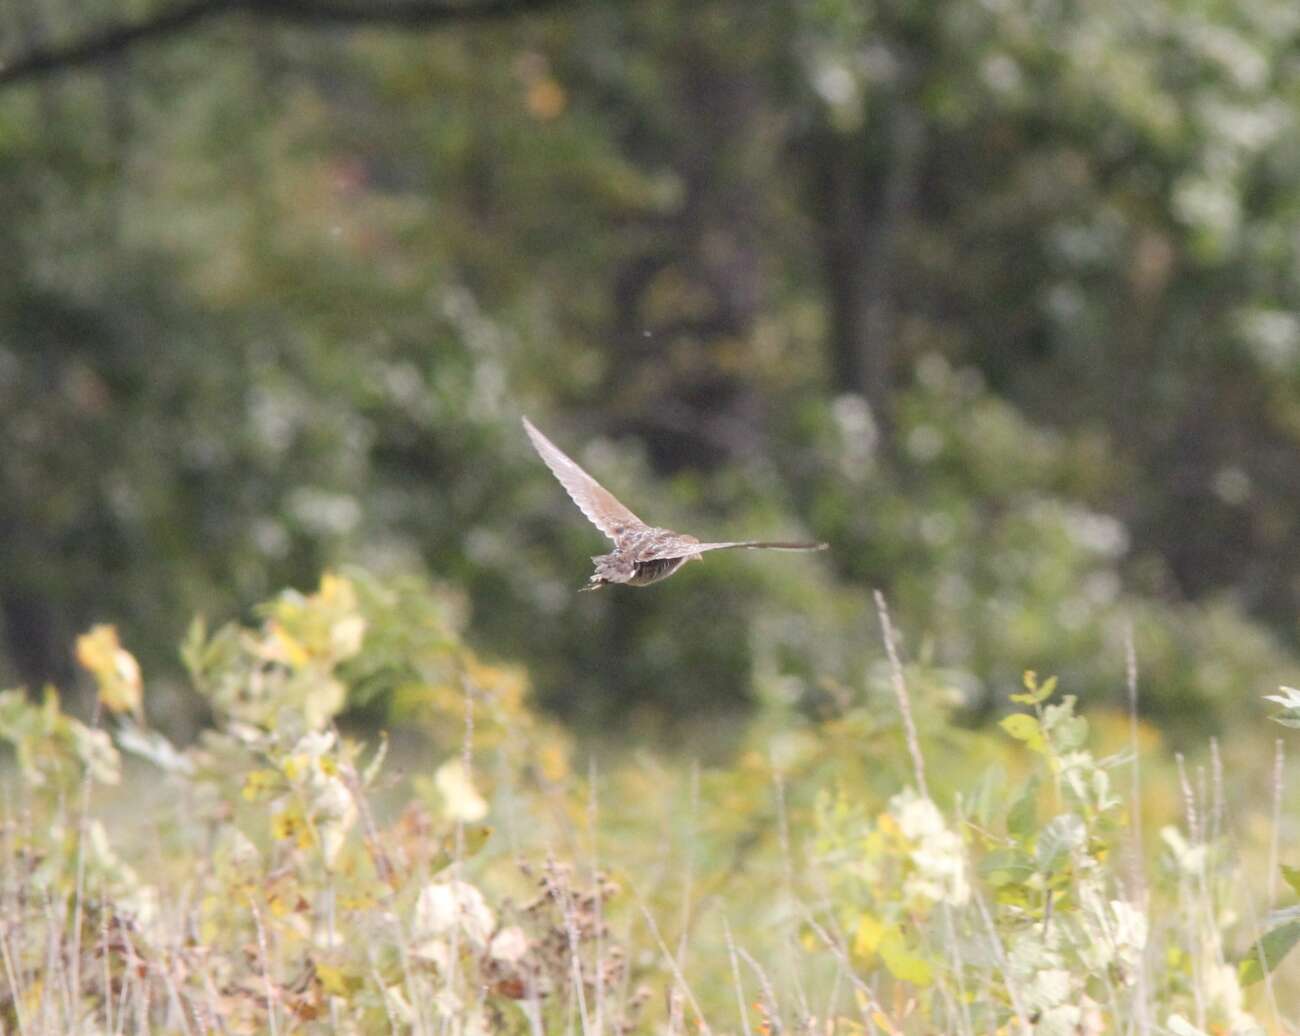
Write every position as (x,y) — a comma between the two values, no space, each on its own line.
(900,692)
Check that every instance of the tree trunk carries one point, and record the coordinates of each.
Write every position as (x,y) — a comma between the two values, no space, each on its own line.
(30,626)
(866,203)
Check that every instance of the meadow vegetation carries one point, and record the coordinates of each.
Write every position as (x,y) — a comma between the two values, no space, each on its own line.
(868,866)
(998,299)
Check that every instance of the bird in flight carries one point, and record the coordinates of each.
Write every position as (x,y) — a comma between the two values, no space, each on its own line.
(642,554)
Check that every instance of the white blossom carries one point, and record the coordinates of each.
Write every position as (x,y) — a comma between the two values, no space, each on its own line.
(937,853)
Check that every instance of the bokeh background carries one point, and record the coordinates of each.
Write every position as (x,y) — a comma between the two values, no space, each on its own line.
(998,298)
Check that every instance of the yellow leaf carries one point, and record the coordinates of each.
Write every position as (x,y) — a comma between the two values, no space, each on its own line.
(291,825)
(883,1022)
(902,962)
(34,995)
(335,981)
(868,935)
(546,98)
(553,761)
(282,646)
(257,783)
(336,590)
(115,669)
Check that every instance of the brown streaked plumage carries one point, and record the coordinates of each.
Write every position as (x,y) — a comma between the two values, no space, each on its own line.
(642,553)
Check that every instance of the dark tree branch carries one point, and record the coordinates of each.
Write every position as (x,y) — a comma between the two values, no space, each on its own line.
(44,61)
(108,42)
(414,14)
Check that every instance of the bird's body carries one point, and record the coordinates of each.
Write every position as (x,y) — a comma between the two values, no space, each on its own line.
(637,559)
(642,554)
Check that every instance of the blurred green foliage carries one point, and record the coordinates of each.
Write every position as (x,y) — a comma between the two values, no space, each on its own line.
(999,299)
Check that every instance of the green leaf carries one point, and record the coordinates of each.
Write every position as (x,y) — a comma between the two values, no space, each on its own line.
(1060,837)
(1062,728)
(1007,867)
(1023,816)
(376,763)
(1024,727)
(985,795)
(1292,877)
(1037,694)
(475,838)
(1266,954)
(196,637)
(1071,734)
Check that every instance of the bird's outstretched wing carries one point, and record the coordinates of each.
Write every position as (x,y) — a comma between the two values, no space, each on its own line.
(682,548)
(600,506)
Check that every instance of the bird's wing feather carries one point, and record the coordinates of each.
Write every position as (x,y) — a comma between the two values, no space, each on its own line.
(600,506)
(680,549)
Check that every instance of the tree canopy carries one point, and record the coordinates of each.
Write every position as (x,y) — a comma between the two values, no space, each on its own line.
(1000,299)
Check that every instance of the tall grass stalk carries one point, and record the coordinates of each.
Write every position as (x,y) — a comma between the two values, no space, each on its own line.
(900,692)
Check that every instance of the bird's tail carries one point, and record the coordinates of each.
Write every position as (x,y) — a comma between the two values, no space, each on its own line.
(766,545)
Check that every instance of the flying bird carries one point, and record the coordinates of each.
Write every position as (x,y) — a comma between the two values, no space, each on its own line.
(642,554)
